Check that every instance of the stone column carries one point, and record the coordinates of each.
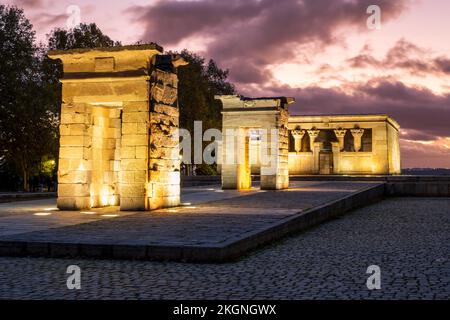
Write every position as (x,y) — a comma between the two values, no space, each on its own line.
(335,147)
(298,136)
(357,135)
(229,167)
(340,135)
(134,155)
(313,134)
(244,179)
(275,176)
(317,146)
(164,159)
(236,173)
(75,161)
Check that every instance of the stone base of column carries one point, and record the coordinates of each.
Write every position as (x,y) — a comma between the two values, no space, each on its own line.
(73,203)
(132,204)
(164,202)
(274,182)
(236,177)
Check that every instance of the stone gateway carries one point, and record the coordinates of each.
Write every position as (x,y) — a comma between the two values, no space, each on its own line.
(119,128)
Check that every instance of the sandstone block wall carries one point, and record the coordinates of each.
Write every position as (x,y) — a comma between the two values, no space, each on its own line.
(119,129)
(164,161)
(269,116)
(383,158)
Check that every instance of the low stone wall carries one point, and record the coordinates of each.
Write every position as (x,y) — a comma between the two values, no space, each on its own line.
(396,186)
(418,187)
(402,186)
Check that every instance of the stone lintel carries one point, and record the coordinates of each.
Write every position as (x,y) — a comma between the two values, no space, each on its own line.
(106,62)
(139,47)
(337,121)
(106,76)
(240,103)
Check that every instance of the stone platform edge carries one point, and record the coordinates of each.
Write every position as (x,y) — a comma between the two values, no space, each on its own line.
(237,247)
(225,252)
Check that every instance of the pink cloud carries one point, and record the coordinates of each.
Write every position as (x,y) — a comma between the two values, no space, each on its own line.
(404,55)
(248,36)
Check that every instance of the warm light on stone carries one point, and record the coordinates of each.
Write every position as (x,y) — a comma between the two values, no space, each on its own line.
(241,116)
(347,144)
(119,107)
(341,144)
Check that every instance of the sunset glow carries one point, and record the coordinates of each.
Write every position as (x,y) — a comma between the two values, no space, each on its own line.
(320,52)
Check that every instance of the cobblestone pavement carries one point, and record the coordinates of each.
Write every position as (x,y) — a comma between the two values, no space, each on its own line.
(210,218)
(408,238)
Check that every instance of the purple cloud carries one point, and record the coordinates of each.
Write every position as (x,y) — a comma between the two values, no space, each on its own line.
(404,55)
(247,36)
(417,109)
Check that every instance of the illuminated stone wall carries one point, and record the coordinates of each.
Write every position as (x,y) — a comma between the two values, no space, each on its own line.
(164,187)
(119,128)
(349,144)
(240,117)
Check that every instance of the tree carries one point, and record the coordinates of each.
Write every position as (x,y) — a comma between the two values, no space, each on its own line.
(27,124)
(82,36)
(199,82)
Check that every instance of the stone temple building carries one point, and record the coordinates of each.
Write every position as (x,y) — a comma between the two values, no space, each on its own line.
(307,145)
(344,144)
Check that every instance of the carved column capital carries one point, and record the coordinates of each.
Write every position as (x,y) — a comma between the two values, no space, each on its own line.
(298,136)
(313,134)
(340,135)
(357,135)
(357,132)
(298,133)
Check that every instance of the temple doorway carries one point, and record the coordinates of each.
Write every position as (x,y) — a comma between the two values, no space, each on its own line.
(326,162)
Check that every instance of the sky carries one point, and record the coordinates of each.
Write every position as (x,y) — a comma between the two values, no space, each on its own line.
(321,52)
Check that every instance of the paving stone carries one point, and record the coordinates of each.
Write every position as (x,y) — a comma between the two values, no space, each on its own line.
(408,238)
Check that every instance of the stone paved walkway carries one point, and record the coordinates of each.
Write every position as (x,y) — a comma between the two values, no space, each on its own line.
(409,238)
(210,216)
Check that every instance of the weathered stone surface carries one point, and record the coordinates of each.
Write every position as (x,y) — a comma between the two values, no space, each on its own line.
(132,203)
(168,153)
(165,165)
(73,202)
(167,110)
(108,132)
(164,94)
(129,140)
(167,78)
(135,117)
(133,164)
(157,141)
(73,189)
